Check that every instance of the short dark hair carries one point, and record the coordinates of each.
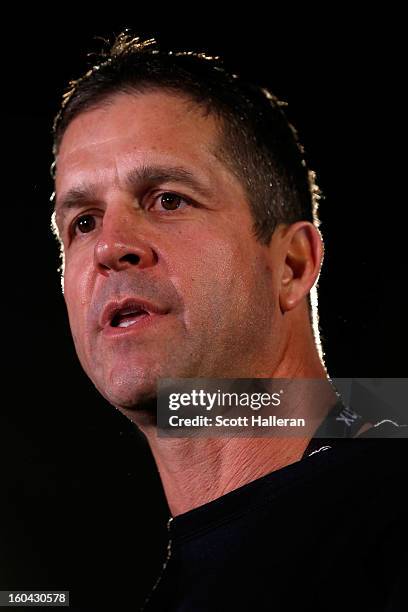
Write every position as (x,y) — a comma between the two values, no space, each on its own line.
(257,142)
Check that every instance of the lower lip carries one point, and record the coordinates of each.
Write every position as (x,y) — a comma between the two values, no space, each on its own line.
(141,323)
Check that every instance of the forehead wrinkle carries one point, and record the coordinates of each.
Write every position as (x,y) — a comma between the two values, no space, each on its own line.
(88,145)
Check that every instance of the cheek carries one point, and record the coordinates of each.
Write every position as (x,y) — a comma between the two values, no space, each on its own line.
(198,261)
(78,288)
(237,284)
(211,272)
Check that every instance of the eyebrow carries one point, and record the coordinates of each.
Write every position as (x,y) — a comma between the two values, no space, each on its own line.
(84,193)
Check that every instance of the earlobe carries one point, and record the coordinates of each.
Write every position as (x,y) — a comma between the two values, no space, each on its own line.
(304,254)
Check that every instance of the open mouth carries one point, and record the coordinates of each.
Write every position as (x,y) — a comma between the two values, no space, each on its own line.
(128,316)
(135,312)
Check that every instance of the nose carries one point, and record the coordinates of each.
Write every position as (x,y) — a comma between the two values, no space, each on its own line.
(122,244)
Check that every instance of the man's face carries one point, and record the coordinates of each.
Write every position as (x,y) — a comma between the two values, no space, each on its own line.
(163,276)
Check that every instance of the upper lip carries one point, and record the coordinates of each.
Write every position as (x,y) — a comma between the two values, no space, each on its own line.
(113,308)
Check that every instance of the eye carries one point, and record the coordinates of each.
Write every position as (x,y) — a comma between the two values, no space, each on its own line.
(170,201)
(84,224)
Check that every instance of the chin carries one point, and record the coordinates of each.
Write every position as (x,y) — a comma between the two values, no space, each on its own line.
(131,384)
(139,404)
(122,382)
(132,397)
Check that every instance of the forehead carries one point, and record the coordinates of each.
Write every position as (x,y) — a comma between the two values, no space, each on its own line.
(102,143)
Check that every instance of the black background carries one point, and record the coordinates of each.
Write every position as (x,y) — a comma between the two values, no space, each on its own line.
(83,508)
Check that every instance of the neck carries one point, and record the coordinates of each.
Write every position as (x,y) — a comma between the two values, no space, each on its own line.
(195,471)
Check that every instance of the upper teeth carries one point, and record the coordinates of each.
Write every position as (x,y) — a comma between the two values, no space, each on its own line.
(129,311)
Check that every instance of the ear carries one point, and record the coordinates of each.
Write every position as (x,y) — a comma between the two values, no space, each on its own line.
(303,256)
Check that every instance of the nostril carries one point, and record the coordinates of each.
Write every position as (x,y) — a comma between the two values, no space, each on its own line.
(131,258)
